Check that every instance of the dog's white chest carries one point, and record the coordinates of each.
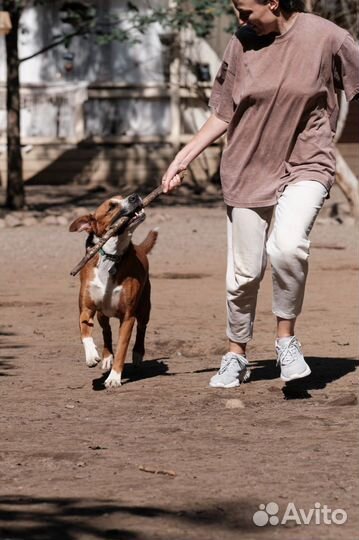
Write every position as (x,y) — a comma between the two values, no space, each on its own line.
(104,292)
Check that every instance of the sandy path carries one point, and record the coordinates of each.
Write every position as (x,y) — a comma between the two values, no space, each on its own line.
(71,456)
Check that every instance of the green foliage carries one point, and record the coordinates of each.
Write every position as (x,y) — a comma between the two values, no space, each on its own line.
(77,14)
(80,18)
(200,14)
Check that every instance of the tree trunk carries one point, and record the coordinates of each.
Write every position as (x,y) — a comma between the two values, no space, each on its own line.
(346,179)
(348,183)
(15,194)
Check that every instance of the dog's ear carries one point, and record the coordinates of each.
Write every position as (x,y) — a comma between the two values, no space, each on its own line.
(83,223)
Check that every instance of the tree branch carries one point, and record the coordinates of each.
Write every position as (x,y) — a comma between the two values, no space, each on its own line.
(55,44)
(81,32)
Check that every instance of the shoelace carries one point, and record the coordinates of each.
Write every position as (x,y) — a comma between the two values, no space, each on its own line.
(287,354)
(227,361)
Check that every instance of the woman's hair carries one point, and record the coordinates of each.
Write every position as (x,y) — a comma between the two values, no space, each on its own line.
(292,5)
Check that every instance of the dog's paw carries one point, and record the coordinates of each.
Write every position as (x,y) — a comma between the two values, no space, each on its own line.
(91,353)
(93,361)
(113,380)
(107,363)
(137,359)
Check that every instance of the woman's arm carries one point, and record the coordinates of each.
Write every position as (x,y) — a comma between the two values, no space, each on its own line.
(209,132)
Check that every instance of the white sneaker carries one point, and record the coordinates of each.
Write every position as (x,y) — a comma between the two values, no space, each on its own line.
(233,370)
(291,359)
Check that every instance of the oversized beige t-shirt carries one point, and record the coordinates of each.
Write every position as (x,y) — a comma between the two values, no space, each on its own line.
(277,92)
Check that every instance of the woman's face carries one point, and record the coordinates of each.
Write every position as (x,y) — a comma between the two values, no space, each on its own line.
(258,16)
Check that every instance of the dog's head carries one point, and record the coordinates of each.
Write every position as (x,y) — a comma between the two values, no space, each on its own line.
(99,221)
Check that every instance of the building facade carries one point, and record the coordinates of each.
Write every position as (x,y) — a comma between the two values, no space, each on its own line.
(115,112)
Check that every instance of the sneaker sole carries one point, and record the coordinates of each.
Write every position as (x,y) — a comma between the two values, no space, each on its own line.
(221,385)
(296,375)
(243,378)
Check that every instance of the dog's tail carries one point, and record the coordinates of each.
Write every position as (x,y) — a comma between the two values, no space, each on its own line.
(149,241)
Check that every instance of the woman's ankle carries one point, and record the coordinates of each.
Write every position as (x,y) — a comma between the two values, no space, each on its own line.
(238,348)
(285,327)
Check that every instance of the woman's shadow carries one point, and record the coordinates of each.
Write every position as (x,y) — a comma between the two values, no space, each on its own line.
(324,371)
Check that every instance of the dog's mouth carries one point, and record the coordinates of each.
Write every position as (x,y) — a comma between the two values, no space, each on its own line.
(139,217)
(132,208)
(129,207)
(136,219)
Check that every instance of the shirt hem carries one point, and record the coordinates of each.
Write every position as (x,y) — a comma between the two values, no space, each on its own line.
(342,43)
(327,183)
(353,94)
(272,202)
(258,204)
(220,116)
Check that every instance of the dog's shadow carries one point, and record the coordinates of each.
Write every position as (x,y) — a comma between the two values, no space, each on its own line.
(131,373)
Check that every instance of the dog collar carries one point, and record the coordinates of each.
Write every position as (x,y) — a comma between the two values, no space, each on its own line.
(110,257)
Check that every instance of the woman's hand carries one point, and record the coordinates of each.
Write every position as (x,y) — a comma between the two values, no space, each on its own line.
(173,177)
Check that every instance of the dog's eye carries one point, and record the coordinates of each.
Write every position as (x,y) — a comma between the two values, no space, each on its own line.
(112,206)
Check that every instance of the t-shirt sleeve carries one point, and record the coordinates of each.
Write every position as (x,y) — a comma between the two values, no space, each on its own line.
(346,68)
(221,99)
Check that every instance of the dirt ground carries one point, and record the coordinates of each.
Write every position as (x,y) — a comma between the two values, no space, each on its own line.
(79,462)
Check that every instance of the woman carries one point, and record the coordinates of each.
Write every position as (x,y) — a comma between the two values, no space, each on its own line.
(274,96)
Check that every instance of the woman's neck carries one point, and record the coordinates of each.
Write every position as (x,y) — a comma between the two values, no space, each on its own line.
(285,21)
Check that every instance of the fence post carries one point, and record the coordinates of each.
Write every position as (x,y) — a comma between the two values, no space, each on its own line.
(175,87)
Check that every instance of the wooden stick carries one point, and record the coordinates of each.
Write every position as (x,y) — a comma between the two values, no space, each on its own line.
(157,471)
(117,224)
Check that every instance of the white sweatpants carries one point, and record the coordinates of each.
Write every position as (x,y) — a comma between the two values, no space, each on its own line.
(287,246)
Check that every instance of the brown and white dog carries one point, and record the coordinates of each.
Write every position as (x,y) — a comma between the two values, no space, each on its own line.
(115,283)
